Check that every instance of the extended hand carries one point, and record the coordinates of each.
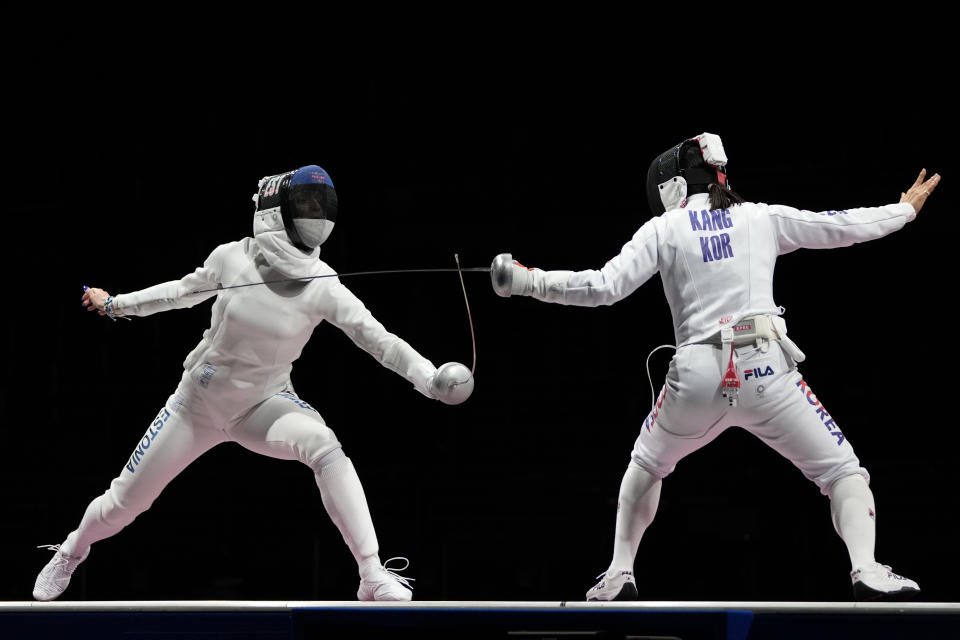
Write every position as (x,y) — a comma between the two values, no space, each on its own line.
(93,299)
(921,190)
(508,276)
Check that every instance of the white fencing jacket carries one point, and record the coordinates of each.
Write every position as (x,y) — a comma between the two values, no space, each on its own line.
(716,266)
(257,332)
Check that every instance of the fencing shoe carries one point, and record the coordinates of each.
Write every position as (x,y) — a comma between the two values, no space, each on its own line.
(55,577)
(620,586)
(383,583)
(878,582)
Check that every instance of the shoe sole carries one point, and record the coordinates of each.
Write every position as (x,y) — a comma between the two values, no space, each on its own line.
(863,593)
(370,596)
(627,592)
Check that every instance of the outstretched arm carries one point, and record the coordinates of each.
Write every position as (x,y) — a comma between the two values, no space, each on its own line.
(451,384)
(175,294)
(636,263)
(796,229)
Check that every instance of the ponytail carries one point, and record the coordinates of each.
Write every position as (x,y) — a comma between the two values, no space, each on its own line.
(722,196)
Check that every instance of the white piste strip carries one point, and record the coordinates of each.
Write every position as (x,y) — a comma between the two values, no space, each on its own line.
(447,605)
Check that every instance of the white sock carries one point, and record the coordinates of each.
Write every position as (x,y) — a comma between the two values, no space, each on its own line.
(853,513)
(639,497)
(346,504)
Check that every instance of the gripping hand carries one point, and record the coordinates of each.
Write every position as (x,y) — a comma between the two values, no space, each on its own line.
(508,276)
(452,384)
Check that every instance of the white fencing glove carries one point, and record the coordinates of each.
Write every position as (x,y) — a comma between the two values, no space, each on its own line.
(452,384)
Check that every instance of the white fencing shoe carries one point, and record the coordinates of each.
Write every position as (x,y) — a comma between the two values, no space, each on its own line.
(878,582)
(55,577)
(620,586)
(384,584)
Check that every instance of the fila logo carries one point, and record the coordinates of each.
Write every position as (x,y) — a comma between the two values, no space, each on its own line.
(758,373)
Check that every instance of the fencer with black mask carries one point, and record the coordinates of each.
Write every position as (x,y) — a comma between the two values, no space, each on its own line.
(734,364)
(236,383)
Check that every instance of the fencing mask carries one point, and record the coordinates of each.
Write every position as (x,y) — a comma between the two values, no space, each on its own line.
(307,202)
(683,170)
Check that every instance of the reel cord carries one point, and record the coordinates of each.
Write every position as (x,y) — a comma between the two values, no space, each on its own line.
(653,397)
(473,337)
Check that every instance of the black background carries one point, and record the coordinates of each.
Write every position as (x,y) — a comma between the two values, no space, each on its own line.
(130,168)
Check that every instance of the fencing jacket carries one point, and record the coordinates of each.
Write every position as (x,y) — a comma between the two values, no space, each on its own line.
(716,266)
(257,332)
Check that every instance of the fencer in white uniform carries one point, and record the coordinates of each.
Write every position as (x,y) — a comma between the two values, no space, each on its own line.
(734,364)
(236,383)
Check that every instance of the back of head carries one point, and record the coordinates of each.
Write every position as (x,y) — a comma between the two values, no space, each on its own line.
(696,165)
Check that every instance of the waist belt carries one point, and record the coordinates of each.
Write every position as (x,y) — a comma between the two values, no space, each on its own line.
(753,329)
(756,330)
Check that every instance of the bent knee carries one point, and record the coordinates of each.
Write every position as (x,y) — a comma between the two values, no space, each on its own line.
(304,437)
(648,463)
(858,475)
(827,481)
(317,446)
